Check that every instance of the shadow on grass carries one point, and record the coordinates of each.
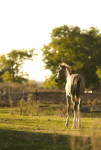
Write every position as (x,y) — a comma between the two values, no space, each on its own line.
(20,140)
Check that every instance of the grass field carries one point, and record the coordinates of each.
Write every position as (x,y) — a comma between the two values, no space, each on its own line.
(47,133)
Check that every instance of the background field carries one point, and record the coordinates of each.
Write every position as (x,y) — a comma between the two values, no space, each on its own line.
(47,132)
(36,120)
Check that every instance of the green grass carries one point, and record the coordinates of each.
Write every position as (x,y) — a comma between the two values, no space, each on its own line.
(47,133)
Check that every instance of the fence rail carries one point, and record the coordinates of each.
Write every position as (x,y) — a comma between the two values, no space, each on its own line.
(51,96)
(89,100)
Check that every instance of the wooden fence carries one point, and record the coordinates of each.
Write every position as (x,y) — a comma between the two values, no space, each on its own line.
(89,100)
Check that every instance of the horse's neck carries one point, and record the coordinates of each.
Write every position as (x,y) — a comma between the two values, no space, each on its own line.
(68,76)
(68,79)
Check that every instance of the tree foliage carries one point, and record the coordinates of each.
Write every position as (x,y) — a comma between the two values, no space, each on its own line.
(81,49)
(11,65)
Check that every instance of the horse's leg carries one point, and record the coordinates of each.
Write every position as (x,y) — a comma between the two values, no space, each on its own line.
(79,117)
(68,110)
(75,104)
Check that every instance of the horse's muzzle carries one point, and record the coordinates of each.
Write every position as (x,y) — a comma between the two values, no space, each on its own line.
(56,79)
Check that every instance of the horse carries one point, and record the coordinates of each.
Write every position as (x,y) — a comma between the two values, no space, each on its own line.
(75,86)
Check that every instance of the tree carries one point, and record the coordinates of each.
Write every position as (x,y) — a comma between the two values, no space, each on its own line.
(49,83)
(81,49)
(11,65)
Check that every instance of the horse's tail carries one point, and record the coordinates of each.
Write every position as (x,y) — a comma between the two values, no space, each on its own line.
(77,84)
(78,87)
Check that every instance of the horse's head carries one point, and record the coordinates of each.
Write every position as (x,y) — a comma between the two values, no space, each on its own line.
(61,73)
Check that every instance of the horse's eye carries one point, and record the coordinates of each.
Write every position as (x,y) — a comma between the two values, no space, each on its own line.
(60,71)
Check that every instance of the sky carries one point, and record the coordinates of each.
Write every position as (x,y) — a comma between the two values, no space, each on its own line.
(28,24)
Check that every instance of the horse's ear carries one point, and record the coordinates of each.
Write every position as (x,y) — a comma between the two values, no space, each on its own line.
(62,65)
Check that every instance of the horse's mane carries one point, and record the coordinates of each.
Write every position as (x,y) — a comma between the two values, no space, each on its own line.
(69,70)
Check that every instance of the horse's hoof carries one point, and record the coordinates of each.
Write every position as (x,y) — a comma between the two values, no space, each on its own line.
(79,126)
(73,127)
(66,124)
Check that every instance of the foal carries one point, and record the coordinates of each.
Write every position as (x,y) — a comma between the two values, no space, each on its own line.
(75,86)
